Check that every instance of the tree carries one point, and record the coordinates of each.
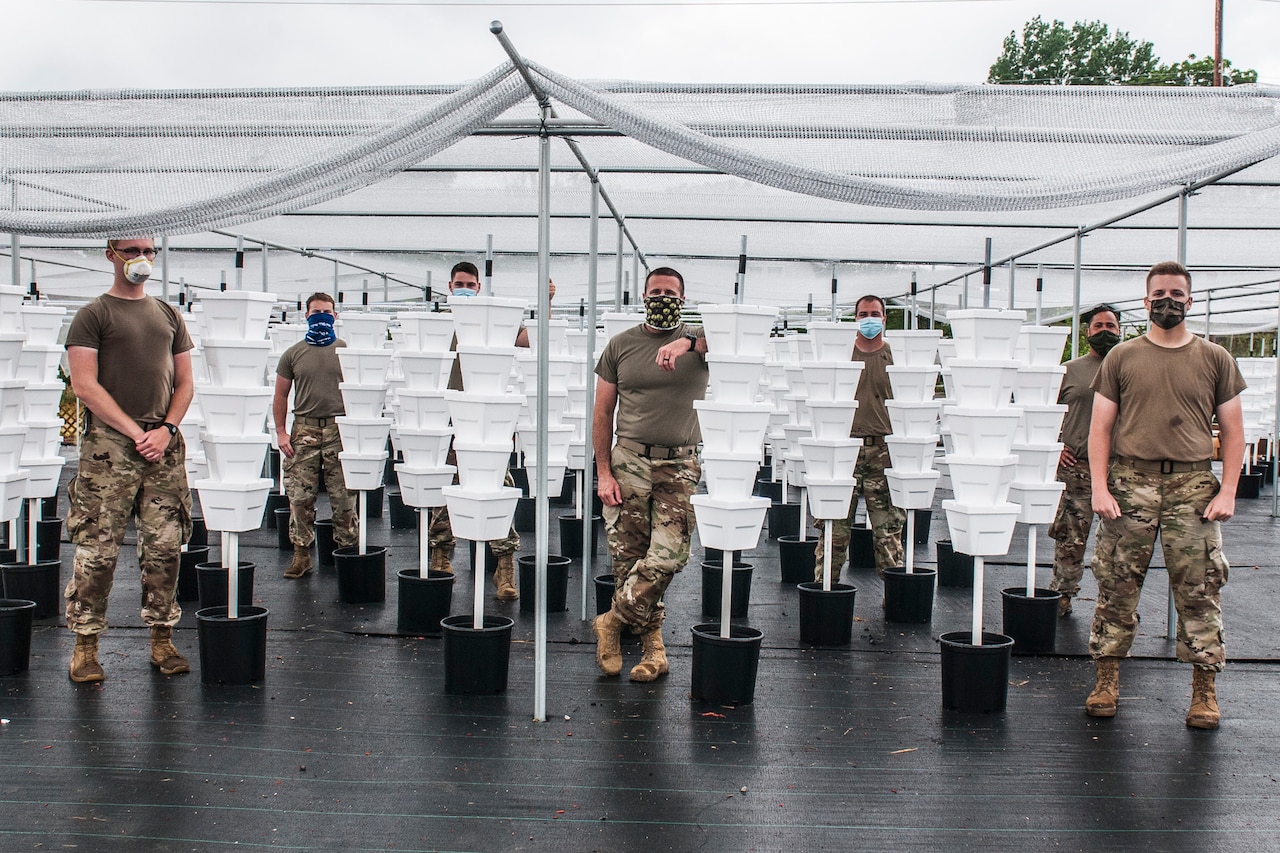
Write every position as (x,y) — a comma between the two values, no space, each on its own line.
(1199,72)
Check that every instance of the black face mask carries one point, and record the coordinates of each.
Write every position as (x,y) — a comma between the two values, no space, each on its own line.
(1102,342)
(1167,313)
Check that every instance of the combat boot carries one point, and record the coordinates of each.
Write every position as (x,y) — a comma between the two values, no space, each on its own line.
(442,560)
(163,654)
(1064,607)
(84,660)
(1204,700)
(1105,697)
(654,662)
(504,578)
(301,562)
(608,628)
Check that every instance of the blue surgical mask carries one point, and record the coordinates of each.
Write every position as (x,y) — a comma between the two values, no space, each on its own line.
(462,293)
(869,327)
(320,331)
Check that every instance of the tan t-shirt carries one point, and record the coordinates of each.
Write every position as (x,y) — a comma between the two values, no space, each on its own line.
(136,340)
(315,373)
(1167,397)
(654,406)
(872,418)
(1077,393)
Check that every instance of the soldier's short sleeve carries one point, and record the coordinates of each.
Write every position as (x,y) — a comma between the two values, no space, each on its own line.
(1230,381)
(285,366)
(607,366)
(1107,382)
(85,329)
(181,337)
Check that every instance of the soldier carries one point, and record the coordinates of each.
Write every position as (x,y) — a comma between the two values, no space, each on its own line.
(130,361)
(311,369)
(1070,529)
(1150,446)
(871,424)
(652,373)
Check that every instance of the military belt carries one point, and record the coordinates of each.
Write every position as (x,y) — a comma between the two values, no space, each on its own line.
(1164,466)
(314,422)
(655,451)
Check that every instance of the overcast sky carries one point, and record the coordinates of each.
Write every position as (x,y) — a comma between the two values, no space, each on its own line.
(72,44)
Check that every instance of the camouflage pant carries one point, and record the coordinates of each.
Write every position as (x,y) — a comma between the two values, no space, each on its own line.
(1173,504)
(649,532)
(112,484)
(440,530)
(1070,528)
(315,450)
(886,519)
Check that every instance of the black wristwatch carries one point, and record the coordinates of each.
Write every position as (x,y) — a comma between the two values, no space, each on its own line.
(173,430)
(693,341)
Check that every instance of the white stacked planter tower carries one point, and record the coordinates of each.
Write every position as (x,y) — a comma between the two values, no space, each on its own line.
(282,336)
(1258,402)
(733,426)
(422,433)
(561,365)
(13,431)
(366,361)
(484,419)
(37,366)
(575,416)
(234,406)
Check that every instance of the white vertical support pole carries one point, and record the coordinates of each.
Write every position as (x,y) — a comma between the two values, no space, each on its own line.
(336,294)
(542,514)
(424,541)
(909,548)
(986,274)
(266,277)
(233,575)
(239,262)
(804,512)
(1013,269)
(1275,425)
(1183,201)
(33,521)
(964,303)
(1031,561)
(933,307)
(477,592)
(979,568)
(1040,295)
(1208,312)
(15,260)
(617,276)
(1171,617)
(914,321)
(636,280)
(164,267)
(362,517)
(726,593)
(488,265)
(1075,293)
(835,287)
(827,524)
(740,286)
(426,291)
(588,526)
(364,292)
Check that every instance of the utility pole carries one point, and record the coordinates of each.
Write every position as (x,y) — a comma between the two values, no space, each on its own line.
(1217,42)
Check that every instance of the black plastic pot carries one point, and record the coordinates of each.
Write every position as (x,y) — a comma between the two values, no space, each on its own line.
(15,634)
(324,543)
(275,501)
(373,502)
(713,586)
(862,548)
(767,487)
(955,569)
(211,579)
(567,485)
(232,651)
(390,476)
(909,597)
(8,555)
(826,616)
(525,518)
(48,539)
(724,668)
(975,679)
(273,464)
(557,582)
(797,558)
(519,477)
(49,507)
(924,518)
(784,520)
(41,583)
(403,516)
(1032,621)
(1250,486)
(423,602)
(282,515)
(362,578)
(199,533)
(188,582)
(571,536)
(476,659)
(715,555)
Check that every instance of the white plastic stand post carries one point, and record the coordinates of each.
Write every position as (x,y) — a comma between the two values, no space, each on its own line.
(424,541)
(33,519)
(910,545)
(726,594)
(826,554)
(1031,561)
(362,521)
(979,566)
(804,513)
(231,550)
(477,607)
(577,494)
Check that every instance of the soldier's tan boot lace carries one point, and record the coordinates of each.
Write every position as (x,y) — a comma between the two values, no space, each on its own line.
(504,578)
(301,562)
(654,662)
(442,560)
(608,628)
(1204,700)
(1105,697)
(84,660)
(163,654)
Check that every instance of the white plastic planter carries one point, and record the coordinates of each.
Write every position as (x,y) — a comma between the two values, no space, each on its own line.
(557,405)
(486,370)
(985,333)
(913,420)
(42,476)
(1041,346)
(946,351)
(364,436)
(421,409)
(737,330)
(559,368)
(794,460)
(829,499)
(983,383)
(729,525)
(577,455)
(423,487)
(555,480)
(983,531)
(12,437)
(577,399)
(424,448)
(235,411)
(42,439)
(13,485)
(1039,502)
(1037,463)
(1040,424)
(730,476)
(912,491)
(10,350)
(831,381)
(980,480)
(558,440)
(833,341)
(482,467)
(557,337)
(362,472)
(982,432)
(913,347)
(732,427)
(798,408)
(912,455)
(233,507)
(792,433)
(944,473)
(616,322)
(912,384)
(235,315)
(190,428)
(425,332)
(41,400)
(832,419)
(363,330)
(486,321)
(367,367)
(236,365)
(363,401)
(235,458)
(197,467)
(13,394)
(734,379)
(285,335)
(426,371)
(11,296)
(484,418)
(480,516)
(42,323)
(829,459)
(1038,386)
(39,362)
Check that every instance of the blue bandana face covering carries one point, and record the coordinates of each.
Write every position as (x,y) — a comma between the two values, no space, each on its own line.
(320,330)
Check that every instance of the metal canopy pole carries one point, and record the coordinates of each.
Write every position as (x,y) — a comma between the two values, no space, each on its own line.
(617,276)
(1075,295)
(986,275)
(835,286)
(1013,269)
(164,267)
(239,263)
(15,260)
(915,322)
(541,506)
(740,285)
(588,525)
(488,263)
(1182,225)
